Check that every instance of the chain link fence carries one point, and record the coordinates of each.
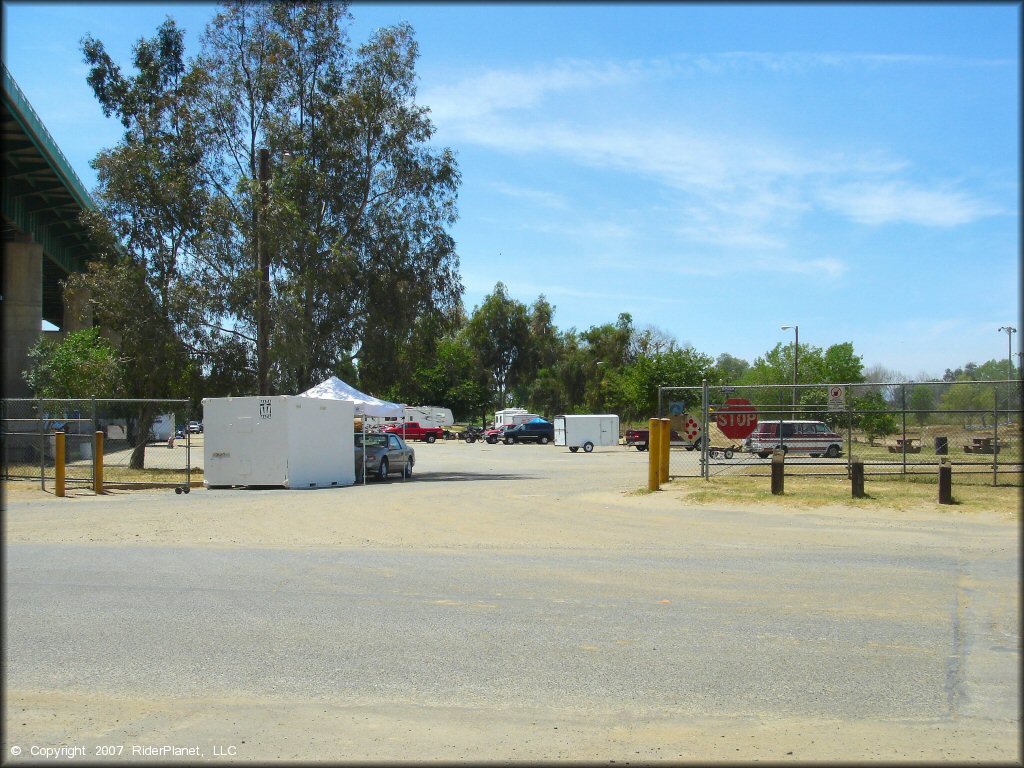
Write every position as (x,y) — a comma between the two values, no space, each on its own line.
(145,442)
(905,429)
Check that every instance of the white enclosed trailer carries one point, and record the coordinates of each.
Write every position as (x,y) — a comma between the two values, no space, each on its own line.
(295,442)
(586,431)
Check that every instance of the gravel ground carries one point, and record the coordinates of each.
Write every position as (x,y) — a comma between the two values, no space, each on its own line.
(511,603)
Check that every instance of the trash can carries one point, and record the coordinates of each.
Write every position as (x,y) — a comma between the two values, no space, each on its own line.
(941,446)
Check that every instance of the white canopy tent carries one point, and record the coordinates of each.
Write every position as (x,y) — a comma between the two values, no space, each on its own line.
(366,405)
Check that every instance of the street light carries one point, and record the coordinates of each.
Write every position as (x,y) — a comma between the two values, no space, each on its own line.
(1010,330)
(796,358)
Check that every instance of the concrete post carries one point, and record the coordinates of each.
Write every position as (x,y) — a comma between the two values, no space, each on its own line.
(945,483)
(778,472)
(22,311)
(857,478)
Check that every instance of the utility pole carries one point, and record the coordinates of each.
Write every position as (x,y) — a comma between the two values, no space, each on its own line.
(263,286)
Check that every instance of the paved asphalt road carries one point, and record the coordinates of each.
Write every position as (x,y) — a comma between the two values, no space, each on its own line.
(919,625)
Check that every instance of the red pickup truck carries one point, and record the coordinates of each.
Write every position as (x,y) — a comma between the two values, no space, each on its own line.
(640,437)
(411,430)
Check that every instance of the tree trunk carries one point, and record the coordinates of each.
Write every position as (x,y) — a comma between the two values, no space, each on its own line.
(145,423)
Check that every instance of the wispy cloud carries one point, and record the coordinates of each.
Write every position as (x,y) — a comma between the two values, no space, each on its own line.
(894,201)
(540,197)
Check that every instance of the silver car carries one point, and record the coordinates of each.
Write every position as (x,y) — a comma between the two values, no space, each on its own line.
(386,454)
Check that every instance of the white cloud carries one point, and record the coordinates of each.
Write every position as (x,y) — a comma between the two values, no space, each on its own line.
(893,201)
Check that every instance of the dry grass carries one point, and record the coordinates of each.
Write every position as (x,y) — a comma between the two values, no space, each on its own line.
(896,493)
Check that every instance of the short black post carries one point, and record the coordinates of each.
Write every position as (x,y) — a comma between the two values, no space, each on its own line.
(778,471)
(945,483)
(857,478)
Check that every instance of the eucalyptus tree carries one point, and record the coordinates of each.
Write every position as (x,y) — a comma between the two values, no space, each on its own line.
(149,226)
(358,201)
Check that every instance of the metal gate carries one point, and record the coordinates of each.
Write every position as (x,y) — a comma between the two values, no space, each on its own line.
(905,428)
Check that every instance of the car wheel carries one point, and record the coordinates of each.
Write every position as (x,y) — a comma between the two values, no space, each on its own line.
(573,448)
(382,471)
(832,452)
(588,447)
(407,472)
(509,441)
(430,438)
(492,440)
(728,453)
(764,454)
(640,447)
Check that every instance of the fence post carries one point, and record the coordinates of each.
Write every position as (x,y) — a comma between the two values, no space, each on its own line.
(42,445)
(778,472)
(995,437)
(97,463)
(903,398)
(705,429)
(945,482)
(58,465)
(666,448)
(96,427)
(653,453)
(857,476)
(849,429)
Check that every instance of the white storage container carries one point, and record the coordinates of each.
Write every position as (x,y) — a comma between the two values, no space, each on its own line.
(586,431)
(295,442)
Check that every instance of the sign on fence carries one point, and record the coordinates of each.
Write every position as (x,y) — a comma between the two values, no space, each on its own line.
(836,398)
(737,418)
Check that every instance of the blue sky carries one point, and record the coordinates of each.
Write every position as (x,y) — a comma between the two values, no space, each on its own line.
(717,171)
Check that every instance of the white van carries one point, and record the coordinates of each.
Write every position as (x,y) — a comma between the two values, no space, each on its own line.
(812,437)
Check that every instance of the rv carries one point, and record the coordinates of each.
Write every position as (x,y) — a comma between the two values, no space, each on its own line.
(429,415)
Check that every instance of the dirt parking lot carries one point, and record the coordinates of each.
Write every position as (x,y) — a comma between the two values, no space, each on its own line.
(783,633)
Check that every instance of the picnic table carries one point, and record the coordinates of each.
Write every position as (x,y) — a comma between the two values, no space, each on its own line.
(982,445)
(906,445)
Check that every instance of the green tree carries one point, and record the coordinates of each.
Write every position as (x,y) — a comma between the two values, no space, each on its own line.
(875,420)
(921,402)
(150,220)
(82,364)
(499,331)
(731,369)
(638,386)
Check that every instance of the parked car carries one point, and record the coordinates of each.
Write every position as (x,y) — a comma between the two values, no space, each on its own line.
(195,427)
(386,454)
(536,431)
(413,430)
(639,438)
(812,437)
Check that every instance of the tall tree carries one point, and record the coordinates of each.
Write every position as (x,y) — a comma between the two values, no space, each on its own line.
(150,221)
(499,330)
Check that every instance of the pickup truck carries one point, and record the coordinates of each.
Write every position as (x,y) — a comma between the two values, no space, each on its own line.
(640,437)
(412,430)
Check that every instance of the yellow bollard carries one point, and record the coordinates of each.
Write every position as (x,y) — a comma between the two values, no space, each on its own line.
(654,455)
(58,468)
(97,464)
(666,448)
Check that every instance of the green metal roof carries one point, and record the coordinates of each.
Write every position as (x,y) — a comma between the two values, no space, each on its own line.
(42,195)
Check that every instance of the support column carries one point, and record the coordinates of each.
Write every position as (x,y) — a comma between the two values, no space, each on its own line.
(22,311)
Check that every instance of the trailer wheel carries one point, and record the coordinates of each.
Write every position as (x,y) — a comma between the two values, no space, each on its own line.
(177,489)
(588,447)
(728,453)
(573,448)
(430,438)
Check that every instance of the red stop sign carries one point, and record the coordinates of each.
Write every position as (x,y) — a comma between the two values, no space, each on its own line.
(737,418)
